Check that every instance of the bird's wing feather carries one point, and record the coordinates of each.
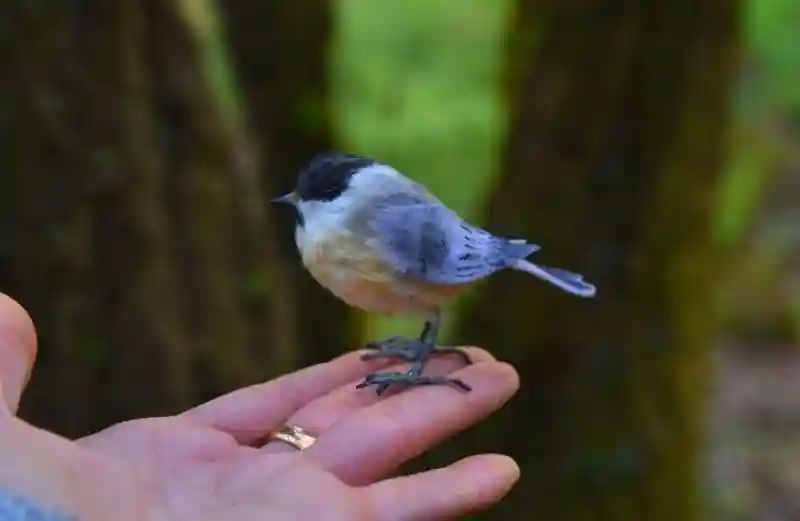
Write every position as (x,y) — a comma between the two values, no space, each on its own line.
(425,240)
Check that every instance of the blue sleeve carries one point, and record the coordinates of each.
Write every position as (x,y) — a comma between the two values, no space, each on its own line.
(16,508)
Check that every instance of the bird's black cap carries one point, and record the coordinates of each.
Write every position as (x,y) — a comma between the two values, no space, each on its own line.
(327,175)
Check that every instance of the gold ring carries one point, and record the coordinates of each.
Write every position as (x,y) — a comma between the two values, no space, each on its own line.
(294,436)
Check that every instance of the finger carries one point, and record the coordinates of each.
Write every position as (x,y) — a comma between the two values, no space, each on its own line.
(465,487)
(249,413)
(17,352)
(375,440)
(319,415)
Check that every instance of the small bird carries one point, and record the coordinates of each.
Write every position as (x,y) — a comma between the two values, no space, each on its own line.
(383,243)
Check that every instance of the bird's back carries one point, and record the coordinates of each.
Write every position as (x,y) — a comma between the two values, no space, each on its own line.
(424,240)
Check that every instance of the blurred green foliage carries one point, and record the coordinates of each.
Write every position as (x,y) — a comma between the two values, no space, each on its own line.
(742,188)
(769,90)
(416,84)
(771,27)
(757,201)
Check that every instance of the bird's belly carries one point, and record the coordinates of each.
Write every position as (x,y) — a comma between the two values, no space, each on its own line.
(349,269)
(366,283)
(367,293)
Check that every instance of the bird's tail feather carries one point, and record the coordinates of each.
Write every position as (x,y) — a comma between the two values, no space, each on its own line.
(566,280)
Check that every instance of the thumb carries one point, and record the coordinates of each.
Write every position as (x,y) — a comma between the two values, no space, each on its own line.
(17,352)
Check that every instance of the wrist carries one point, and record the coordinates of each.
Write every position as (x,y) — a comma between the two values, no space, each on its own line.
(56,476)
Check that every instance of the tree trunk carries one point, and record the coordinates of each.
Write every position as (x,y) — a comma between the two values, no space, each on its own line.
(280,52)
(614,152)
(125,228)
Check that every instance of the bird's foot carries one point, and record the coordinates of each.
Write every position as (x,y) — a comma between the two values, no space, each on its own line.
(384,380)
(409,350)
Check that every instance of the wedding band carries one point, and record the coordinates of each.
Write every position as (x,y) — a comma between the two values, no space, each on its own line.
(294,436)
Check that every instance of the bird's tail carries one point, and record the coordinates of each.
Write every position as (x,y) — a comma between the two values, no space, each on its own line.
(518,249)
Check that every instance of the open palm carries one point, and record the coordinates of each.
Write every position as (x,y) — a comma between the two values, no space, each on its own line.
(201,465)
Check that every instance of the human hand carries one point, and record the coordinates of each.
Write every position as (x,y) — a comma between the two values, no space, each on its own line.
(200,465)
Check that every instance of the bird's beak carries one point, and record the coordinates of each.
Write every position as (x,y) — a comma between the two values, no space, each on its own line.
(284,199)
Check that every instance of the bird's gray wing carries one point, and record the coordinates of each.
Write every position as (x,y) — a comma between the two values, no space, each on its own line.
(425,240)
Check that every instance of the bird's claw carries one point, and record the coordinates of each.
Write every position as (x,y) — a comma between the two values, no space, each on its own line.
(409,350)
(382,381)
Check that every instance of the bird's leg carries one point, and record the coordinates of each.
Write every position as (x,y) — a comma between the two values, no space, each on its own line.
(418,352)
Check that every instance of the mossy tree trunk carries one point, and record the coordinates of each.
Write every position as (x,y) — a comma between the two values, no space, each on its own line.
(280,52)
(124,221)
(615,147)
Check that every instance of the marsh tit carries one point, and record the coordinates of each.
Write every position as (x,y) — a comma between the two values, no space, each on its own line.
(382,243)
